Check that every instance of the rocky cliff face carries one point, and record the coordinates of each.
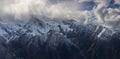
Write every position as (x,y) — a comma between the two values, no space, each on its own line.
(65,39)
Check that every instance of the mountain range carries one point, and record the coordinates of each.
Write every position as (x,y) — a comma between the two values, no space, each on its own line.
(57,39)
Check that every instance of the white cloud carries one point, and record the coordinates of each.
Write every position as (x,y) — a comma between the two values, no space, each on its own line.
(108,17)
(67,9)
(117,1)
(61,9)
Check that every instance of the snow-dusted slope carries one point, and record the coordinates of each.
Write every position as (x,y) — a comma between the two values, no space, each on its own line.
(57,39)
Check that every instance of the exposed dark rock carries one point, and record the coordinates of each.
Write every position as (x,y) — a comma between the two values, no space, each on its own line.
(77,41)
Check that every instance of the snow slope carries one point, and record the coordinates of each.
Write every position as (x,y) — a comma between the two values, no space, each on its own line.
(57,39)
